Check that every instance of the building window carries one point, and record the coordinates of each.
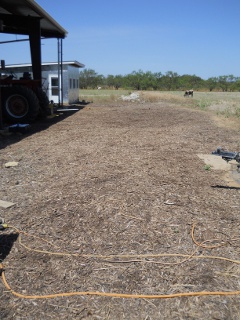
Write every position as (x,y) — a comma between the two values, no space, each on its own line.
(54,82)
(54,86)
(54,91)
(70,83)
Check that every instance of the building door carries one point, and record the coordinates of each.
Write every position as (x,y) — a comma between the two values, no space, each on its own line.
(54,88)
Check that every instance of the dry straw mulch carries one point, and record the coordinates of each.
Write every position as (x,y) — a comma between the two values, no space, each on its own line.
(119,179)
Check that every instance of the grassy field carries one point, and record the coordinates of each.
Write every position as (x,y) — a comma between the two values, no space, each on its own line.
(94,95)
(221,103)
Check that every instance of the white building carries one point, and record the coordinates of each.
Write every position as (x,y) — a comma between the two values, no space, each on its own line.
(60,84)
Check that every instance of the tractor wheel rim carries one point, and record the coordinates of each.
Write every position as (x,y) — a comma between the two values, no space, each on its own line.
(17,106)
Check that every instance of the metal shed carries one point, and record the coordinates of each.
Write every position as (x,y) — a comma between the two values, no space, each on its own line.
(26,17)
(68,84)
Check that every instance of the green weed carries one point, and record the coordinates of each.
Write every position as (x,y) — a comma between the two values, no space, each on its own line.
(237,112)
(207,167)
(203,104)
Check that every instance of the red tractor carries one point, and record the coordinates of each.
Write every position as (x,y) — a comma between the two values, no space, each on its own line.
(22,100)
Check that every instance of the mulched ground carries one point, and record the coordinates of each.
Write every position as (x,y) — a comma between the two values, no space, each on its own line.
(114,179)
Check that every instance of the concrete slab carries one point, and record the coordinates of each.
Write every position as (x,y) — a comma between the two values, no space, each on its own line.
(6,204)
(231,174)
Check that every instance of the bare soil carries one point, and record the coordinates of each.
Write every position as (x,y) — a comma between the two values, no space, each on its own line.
(118,179)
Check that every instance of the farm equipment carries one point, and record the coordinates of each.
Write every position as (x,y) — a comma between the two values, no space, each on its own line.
(22,100)
(3,225)
(228,155)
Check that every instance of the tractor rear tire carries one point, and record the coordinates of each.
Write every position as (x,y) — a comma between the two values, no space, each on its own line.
(43,102)
(20,104)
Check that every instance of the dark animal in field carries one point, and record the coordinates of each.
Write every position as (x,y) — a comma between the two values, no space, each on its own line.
(188,93)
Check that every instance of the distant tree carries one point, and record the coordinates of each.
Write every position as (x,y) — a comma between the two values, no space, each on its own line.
(223,83)
(211,83)
(110,81)
(157,83)
(196,82)
(115,82)
(184,82)
(169,80)
(118,81)
(88,78)
(235,86)
(238,84)
(149,81)
(227,82)
(139,80)
(232,82)
(135,80)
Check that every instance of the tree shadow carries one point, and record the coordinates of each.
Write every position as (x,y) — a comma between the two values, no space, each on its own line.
(6,243)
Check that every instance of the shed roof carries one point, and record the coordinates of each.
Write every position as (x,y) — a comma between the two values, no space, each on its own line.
(23,65)
(12,13)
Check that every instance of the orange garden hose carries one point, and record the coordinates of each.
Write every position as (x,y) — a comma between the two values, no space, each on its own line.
(118,295)
(151,255)
(124,295)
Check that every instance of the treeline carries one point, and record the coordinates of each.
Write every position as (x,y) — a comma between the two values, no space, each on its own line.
(170,81)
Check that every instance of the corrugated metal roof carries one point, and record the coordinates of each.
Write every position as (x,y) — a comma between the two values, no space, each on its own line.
(10,10)
(71,63)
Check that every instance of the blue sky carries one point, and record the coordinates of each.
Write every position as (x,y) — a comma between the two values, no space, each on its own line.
(200,37)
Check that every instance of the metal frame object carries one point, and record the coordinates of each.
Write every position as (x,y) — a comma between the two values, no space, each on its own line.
(227,155)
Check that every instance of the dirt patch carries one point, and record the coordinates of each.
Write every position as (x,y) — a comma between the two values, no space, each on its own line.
(227,122)
(120,186)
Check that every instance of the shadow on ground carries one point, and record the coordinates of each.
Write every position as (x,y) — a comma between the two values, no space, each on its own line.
(226,187)
(6,243)
(60,113)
